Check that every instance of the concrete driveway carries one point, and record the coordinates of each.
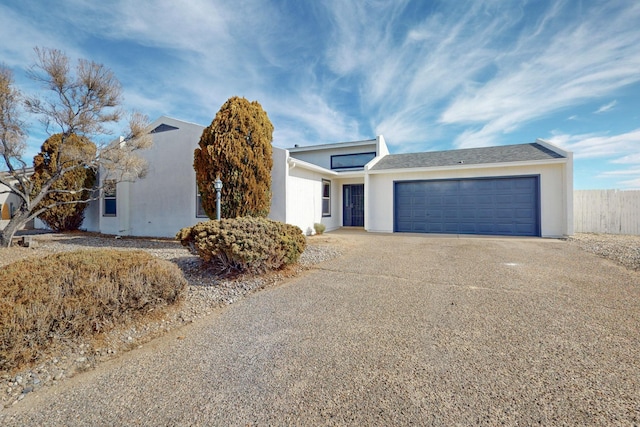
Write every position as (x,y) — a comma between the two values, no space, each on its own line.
(402,329)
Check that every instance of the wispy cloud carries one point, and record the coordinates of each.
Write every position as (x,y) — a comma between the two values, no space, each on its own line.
(622,172)
(613,147)
(629,159)
(479,71)
(315,117)
(606,107)
(631,184)
(582,61)
(18,51)
(424,74)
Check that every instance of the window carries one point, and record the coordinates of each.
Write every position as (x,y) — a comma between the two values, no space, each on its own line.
(326,197)
(351,161)
(163,128)
(12,209)
(109,196)
(200,213)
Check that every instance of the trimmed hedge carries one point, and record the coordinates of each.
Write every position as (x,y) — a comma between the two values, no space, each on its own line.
(245,244)
(78,294)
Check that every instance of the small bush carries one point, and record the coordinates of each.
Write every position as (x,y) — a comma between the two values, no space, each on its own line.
(319,228)
(245,244)
(77,294)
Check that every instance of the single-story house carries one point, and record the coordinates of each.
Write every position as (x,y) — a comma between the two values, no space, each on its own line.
(519,190)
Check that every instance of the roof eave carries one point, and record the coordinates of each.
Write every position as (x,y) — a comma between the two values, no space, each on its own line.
(331,146)
(471,166)
(295,163)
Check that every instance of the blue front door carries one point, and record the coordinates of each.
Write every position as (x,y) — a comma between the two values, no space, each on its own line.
(353,205)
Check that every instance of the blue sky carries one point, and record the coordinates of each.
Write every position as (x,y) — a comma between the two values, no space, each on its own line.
(428,75)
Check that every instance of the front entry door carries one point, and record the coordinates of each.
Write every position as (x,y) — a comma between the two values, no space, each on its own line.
(353,205)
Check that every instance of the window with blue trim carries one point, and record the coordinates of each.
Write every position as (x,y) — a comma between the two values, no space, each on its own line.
(351,161)
(110,198)
(326,197)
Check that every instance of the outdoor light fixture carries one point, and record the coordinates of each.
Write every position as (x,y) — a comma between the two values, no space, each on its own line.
(217,184)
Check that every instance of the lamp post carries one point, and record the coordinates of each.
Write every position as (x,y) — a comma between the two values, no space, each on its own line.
(217,184)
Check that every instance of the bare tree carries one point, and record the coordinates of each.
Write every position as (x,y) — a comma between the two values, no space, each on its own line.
(83,101)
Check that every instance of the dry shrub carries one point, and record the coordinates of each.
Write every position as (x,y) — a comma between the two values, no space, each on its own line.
(78,294)
(245,244)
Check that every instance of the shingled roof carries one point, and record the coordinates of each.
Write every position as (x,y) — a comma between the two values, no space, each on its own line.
(468,156)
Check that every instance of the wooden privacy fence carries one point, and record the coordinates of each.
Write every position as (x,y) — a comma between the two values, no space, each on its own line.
(606,211)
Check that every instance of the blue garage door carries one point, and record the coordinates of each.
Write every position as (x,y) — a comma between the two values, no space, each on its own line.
(498,206)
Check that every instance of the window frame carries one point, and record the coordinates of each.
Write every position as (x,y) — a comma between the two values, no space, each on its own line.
(358,165)
(110,196)
(326,184)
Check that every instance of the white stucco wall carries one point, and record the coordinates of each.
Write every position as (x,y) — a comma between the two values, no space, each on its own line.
(553,193)
(304,200)
(279,173)
(165,200)
(120,224)
(92,215)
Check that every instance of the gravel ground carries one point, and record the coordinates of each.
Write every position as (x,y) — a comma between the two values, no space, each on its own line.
(623,249)
(445,331)
(399,330)
(205,293)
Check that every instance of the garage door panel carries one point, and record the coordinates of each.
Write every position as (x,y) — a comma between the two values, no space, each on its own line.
(468,228)
(484,200)
(522,199)
(450,200)
(485,229)
(524,184)
(450,214)
(503,199)
(475,186)
(467,215)
(434,227)
(434,215)
(502,214)
(469,199)
(484,213)
(508,205)
(507,229)
(524,214)
(525,229)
